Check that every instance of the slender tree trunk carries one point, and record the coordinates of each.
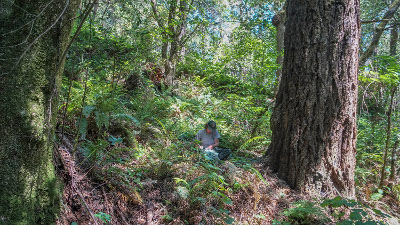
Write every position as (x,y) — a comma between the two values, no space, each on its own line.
(164,49)
(174,35)
(394,37)
(378,31)
(388,132)
(279,22)
(314,121)
(393,164)
(33,36)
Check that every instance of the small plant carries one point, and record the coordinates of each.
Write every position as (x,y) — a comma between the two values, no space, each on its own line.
(306,212)
(167,218)
(378,195)
(223,214)
(360,214)
(103,216)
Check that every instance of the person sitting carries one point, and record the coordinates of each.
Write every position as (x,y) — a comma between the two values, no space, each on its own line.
(209,140)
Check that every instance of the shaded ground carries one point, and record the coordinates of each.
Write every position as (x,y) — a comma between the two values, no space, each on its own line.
(103,194)
(158,202)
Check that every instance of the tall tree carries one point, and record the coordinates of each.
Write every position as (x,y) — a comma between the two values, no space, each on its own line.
(33,37)
(173,31)
(178,21)
(314,121)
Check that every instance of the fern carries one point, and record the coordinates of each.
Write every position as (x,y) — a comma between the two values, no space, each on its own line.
(125,116)
(102,119)
(306,212)
(259,175)
(83,127)
(254,139)
(87,110)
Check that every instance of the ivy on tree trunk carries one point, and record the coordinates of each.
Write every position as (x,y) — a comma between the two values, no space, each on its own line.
(33,36)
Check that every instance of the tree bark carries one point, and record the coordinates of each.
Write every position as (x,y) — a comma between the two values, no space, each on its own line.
(388,133)
(32,40)
(173,33)
(393,164)
(279,22)
(394,37)
(314,121)
(378,31)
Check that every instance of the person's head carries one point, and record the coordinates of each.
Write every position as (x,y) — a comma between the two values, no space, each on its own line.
(210,127)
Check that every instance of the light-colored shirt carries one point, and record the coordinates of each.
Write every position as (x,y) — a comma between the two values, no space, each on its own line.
(207,139)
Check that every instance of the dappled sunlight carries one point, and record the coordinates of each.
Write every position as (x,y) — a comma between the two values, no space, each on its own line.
(200,112)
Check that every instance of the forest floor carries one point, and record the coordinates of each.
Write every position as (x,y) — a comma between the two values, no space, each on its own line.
(261,200)
(158,202)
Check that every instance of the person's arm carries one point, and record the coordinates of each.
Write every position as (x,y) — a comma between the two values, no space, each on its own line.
(216,143)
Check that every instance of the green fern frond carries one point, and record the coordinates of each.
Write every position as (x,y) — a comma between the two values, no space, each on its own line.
(125,116)
(101,119)
(250,141)
(83,127)
(259,175)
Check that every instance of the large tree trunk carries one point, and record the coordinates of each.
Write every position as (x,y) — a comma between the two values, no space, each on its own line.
(314,122)
(33,35)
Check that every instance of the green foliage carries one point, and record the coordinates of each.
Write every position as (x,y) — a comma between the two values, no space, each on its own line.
(378,195)
(342,211)
(377,81)
(134,136)
(103,216)
(305,212)
(360,214)
(93,151)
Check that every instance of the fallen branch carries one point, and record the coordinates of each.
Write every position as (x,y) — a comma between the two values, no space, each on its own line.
(149,216)
(69,165)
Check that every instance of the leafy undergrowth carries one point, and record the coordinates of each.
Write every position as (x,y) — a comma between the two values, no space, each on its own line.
(134,161)
(191,191)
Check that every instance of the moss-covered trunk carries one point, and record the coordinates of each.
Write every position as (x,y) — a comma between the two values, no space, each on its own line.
(33,35)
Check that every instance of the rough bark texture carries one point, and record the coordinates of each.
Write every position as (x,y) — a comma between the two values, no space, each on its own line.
(314,122)
(33,35)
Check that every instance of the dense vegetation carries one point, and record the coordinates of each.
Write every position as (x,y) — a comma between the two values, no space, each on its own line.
(126,137)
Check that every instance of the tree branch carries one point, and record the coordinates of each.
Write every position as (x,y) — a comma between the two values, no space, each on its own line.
(189,35)
(153,5)
(373,21)
(75,35)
